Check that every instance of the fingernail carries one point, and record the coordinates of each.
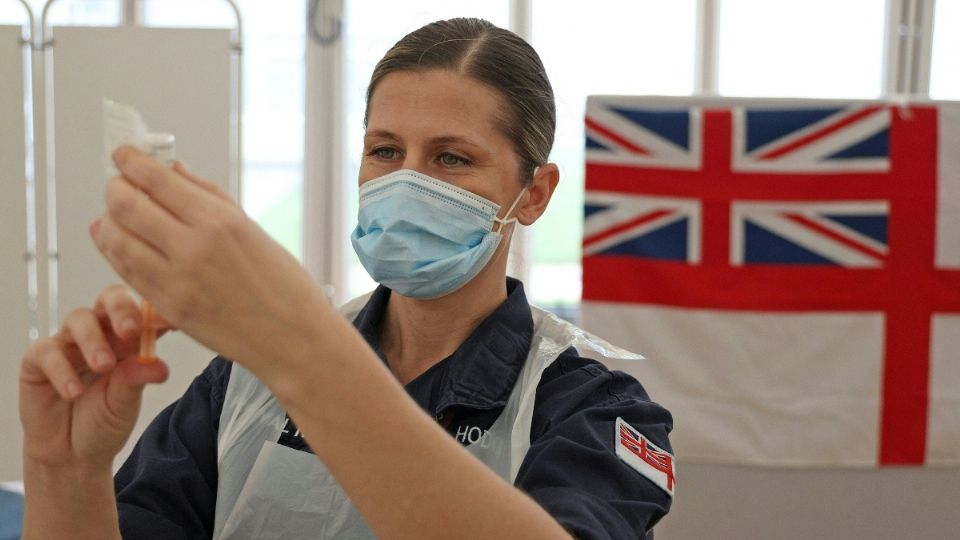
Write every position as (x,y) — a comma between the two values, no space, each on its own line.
(128,326)
(102,359)
(74,389)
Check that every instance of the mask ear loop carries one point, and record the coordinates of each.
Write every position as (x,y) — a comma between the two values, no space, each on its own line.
(504,221)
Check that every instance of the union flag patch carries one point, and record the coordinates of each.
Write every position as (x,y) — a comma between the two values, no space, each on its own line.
(645,457)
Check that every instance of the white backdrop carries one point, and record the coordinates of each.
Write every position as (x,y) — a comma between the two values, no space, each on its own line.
(14,309)
(179,79)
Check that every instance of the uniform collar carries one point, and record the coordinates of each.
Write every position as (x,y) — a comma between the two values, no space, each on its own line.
(481,373)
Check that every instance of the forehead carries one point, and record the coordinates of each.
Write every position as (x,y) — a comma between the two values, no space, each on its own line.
(436,101)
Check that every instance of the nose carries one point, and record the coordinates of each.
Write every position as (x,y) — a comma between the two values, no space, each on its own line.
(415,161)
(412,160)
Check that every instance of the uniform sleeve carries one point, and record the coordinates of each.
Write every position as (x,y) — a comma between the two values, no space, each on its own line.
(572,468)
(167,488)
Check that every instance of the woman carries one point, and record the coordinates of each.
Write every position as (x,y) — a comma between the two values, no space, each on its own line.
(523,437)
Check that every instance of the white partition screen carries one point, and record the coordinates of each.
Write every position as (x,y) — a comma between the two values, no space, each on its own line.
(180,80)
(14,307)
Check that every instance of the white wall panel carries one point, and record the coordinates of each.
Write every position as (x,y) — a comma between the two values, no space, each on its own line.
(723,502)
(14,312)
(179,79)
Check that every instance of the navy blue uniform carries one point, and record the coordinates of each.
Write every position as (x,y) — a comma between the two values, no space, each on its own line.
(167,488)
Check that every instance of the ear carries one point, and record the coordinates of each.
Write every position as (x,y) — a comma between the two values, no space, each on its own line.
(545,180)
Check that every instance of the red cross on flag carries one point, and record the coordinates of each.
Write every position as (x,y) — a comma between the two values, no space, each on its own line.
(791,269)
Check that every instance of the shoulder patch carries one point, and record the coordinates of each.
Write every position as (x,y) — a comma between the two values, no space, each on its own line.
(648,459)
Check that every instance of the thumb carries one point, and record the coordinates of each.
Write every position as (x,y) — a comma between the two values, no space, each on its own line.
(123,394)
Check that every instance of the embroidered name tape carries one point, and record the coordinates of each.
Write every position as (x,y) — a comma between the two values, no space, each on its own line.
(645,457)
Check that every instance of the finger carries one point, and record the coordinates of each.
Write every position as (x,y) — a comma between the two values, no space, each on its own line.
(132,373)
(48,362)
(137,262)
(206,185)
(179,196)
(125,388)
(136,212)
(161,324)
(82,328)
(119,306)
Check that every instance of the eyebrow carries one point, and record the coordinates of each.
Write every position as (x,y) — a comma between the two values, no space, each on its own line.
(443,139)
(382,133)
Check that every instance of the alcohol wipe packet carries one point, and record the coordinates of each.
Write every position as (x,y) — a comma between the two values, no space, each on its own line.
(122,124)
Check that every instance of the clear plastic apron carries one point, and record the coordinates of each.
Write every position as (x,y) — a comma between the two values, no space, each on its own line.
(269,491)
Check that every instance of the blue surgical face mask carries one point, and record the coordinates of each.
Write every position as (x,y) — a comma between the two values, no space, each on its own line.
(422,237)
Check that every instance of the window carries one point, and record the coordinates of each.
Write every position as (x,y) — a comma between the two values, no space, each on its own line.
(944,72)
(88,13)
(613,47)
(815,48)
(273,104)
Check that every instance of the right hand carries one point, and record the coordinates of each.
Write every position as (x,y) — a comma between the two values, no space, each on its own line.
(80,389)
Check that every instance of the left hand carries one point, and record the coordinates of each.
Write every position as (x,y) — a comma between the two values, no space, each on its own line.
(80,389)
(185,246)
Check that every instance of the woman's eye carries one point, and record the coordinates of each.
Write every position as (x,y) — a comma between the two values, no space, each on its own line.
(385,152)
(452,160)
